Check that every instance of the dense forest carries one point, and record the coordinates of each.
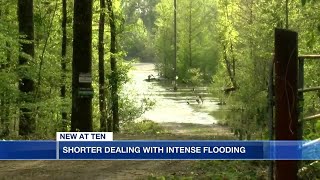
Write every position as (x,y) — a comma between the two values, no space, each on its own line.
(64,64)
(228,45)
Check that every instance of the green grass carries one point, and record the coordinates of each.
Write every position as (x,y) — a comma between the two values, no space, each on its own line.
(142,127)
(221,170)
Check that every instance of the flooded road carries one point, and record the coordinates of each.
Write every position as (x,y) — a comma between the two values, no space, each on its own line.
(172,107)
(182,121)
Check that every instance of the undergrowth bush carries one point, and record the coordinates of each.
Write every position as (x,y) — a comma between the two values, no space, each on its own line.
(310,171)
(142,127)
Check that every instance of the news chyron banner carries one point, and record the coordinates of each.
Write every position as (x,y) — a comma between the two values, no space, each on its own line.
(101,146)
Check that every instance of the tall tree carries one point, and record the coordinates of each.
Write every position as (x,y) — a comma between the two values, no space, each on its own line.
(175,47)
(197,53)
(287,14)
(164,38)
(113,63)
(4,66)
(190,33)
(102,96)
(26,84)
(81,117)
(63,62)
(228,46)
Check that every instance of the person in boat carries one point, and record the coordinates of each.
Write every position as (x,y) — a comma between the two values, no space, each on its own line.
(149,77)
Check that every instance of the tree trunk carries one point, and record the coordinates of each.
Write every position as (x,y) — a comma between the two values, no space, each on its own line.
(113,63)
(230,68)
(4,100)
(42,57)
(190,33)
(102,96)
(26,84)
(64,64)
(175,47)
(165,58)
(81,117)
(287,14)
(231,65)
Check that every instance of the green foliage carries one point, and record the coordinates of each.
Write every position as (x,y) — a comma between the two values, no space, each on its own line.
(194,76)
(245,48)
(130,109)
(131,104)
(195,34)
(227,43)
(219,84)
(246,33)
(45,68)
(310,171)
(137,37)
(304,2)
(142,127)
(233,169)
(309,38)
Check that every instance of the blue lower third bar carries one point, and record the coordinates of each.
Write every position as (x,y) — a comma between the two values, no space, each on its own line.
(162,150)
(28,150)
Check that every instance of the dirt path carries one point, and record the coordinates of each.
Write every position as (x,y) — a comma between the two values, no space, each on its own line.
(100,170)
(97,170)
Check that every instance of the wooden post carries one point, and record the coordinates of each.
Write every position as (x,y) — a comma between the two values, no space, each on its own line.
(270,113)
(300,96)
(286,119)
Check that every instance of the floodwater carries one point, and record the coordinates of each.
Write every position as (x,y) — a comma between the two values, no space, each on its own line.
(170,106)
